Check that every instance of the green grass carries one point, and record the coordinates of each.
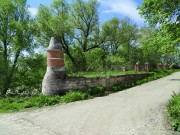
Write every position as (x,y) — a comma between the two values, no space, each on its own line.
(174,111)
(75,96)
(157,74)
(101,74)
(14,104)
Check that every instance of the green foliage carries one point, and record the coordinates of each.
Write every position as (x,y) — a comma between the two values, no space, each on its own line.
(100,74)
(75,25)
(115,62)
(150,45)
(84,18)
(68,64)
(119,34)
(96,91)
(120,43)
(28,78)
(74,96)
(95,59)
(123,86)
(158,46)
(174,111)
(15,22)
(153,76)
(165,14)
(12,104)
(156,75)
(111,31)
(116,88)
(87,45)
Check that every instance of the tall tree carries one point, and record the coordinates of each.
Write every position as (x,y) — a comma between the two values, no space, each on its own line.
(130,35)
(120,40)
(28,78)
(158,46)
(54,22)
(112,31)
(150,45)
(16,35)
(84,17)
(164,14)
(119,33)
(74,24)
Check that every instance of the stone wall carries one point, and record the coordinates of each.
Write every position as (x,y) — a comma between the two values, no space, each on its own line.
(56,82)
(60,86)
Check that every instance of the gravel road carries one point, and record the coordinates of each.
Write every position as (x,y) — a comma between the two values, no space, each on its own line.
(136,111)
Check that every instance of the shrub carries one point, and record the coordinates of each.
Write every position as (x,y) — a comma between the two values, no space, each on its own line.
(119,87)
(116,88)
(174,111)
(42,100)
(96,91)
(74,96)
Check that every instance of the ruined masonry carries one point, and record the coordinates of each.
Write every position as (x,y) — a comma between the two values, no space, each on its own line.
(55,68)
(55,81)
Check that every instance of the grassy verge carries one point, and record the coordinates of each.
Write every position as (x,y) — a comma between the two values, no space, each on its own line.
(13,104)
(101,74)
(157,74)
(174,111)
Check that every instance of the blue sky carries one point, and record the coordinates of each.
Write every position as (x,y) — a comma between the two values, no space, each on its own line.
(107,10)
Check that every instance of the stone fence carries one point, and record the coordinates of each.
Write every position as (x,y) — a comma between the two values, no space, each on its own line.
(56,82)
(60,86)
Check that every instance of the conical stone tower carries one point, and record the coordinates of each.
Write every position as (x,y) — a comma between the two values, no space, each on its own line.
(55,69)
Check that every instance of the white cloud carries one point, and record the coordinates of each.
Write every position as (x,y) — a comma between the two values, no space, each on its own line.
(123,7)
(33,11)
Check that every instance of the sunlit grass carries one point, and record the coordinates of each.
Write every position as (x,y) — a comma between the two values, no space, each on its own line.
(101,74)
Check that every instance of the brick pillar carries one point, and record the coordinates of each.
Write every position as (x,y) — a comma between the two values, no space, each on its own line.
(147,66)
(55,69)
(137,67)
(159,66)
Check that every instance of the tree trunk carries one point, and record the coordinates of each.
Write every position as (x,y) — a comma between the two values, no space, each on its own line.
(8,77)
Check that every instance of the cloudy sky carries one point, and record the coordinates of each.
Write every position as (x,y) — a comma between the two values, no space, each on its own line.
(107,10)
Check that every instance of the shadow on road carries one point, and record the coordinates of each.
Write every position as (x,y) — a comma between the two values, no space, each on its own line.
(175,79)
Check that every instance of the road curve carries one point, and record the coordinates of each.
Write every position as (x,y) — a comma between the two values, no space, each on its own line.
(136,111)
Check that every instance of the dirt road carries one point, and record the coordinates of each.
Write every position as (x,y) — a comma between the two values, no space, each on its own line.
(136,111)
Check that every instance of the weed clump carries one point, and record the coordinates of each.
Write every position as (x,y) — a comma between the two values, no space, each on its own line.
(174,111)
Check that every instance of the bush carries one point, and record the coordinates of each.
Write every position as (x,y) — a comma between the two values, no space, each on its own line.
(42,100)
(116,88)
(96,91)
(174,111)
(27,79)
(74,96)
(119,87)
